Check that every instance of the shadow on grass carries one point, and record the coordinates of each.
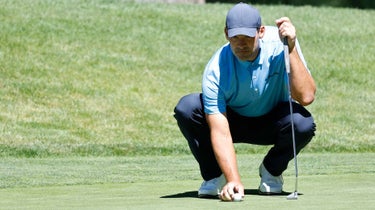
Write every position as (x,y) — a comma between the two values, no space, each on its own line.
(194,194)
(187,194)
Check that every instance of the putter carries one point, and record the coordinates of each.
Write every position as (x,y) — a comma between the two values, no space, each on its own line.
(293,195)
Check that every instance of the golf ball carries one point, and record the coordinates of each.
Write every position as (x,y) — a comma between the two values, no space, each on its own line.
(237,197)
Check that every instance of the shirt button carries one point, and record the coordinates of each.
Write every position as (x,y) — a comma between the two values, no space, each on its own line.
(254,77)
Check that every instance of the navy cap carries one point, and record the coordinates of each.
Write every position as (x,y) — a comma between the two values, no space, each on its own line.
(243,19)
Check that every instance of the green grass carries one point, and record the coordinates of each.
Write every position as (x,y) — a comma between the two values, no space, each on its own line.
(101,78)
(37,172)
(327,181)
(179,195)
(345,194)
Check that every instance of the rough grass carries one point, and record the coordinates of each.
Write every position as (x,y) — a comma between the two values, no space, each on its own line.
(101,78)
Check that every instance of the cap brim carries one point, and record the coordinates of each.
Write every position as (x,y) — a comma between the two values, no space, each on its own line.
(242,31)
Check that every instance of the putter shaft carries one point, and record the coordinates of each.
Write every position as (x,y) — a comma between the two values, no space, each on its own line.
(287,67)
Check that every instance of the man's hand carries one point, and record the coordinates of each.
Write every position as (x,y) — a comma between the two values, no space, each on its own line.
(287,29)
(228,191)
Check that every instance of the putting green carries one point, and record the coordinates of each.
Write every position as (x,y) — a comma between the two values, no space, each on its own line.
(345,191)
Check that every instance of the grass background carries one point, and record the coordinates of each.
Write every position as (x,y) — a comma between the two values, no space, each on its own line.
(88,87)
(102,77)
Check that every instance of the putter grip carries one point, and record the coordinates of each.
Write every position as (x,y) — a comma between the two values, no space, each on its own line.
(286,55)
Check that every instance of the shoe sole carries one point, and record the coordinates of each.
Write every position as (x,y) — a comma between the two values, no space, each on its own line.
(270,193)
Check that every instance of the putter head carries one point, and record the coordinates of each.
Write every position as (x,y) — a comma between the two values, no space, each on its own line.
(292,196)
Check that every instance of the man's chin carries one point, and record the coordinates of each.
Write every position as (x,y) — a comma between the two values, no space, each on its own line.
(243,58)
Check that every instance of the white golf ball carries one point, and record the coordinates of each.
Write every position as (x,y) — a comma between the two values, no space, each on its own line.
(237,197)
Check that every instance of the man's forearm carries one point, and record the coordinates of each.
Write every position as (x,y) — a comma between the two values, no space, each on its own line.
(223,147)
(302,84)
(225,156)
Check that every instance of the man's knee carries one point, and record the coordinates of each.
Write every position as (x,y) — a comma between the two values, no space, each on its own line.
(304,125)
(304,128)
(187,105)
(303,121)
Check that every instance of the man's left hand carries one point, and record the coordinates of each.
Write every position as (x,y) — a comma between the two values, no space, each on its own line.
(287,29)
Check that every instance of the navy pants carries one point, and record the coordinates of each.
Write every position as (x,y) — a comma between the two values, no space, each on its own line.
(273,128)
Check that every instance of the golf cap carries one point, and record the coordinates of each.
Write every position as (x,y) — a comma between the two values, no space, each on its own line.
(243,19)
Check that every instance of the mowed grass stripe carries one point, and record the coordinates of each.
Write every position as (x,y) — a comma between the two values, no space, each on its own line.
(36,172)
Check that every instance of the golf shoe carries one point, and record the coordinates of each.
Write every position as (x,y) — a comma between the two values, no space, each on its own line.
(269,184)
(212,188)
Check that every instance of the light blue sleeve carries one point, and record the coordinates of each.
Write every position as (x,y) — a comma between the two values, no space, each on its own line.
(299,51)
(213,98)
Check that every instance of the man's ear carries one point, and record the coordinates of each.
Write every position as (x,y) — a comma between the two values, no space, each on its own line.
(261,32)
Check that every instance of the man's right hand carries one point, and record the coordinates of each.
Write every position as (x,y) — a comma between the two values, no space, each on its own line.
(231,188)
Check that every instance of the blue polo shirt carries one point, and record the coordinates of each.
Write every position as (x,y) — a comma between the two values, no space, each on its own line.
(249,88)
